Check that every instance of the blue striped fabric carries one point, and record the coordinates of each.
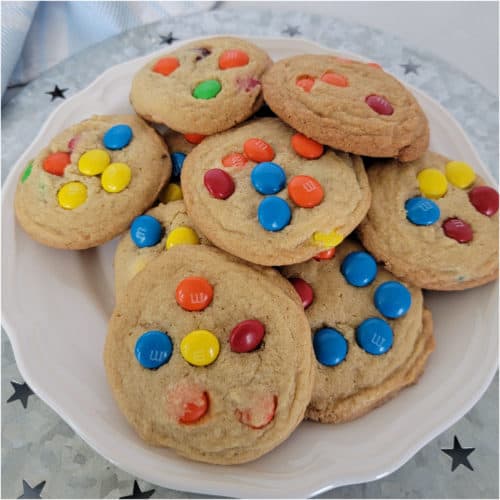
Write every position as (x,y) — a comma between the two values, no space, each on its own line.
(38,35)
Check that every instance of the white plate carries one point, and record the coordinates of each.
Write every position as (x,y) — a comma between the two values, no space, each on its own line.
(57,304)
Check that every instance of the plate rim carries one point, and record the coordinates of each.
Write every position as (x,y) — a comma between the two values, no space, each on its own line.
(306,489)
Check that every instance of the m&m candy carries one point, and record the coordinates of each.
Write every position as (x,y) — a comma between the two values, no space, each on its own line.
(305,83)
(325,254)
(207,89)
(247,336)
(27,172)
(379,104)
(218,183)
(234,160)
(233,58)
(330,346)
(181,235)
(153,349)
(460,174)
(177,163)
(146,231)
(187,403)
(55,163)
(200,348)
(171,192)
(432,183)
(327,240)
(116,177)
(72,195)
(93,162)
(392,299)
(268,178)
(422,211)
(458,230)
(305,191)
(359,269)
(304,290)
(305,147)
(484,199)
(194,293)
(274,213)
(194,138)
(166,65)
(258,150)
(258,411)
(335,79)
(117,137)
(374,335)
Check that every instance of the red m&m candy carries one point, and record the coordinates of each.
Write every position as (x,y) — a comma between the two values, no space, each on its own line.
(55,163)
(246,336)
(458,230)
(379,104)
(258,150)
(218,183)
(484,199)
(305,291)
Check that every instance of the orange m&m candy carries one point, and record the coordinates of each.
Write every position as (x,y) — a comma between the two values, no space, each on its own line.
(166,65)
(187,403)
(258,150)
(233,58)
(194,293)
(194,138)
(305,147)
(55,163)
(234,160)
(305,191)
(305,82)
(325,255)
(335,79)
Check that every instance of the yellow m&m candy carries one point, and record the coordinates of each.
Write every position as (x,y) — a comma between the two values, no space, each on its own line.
(116,177)
(182,235)
(200,348)
(72,195)
(327,240)
(172,192)
(460,174)
(93,162)
(432,183)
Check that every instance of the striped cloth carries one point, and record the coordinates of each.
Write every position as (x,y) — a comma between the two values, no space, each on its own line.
(38,35)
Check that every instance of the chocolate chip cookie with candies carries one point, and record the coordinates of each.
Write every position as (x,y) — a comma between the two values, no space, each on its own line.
(348,105)
(203,87)
(272,196)
(200,360)
(433,222)
(156,231)
(90,182)
(371,333)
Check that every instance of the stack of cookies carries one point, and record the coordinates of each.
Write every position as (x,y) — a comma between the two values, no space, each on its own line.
(271,264)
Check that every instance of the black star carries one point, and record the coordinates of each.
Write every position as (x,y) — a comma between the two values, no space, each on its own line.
(22,392)
(410,67)
(291,30)
(57,92)
(169,39)
(137,493)
(459,455)
(29,492)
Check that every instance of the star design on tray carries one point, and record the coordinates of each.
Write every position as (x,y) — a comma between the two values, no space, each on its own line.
(57,92)
(168,39)
(29,492)
(291,31)
(137,493)
(410,67)
(21,392)
(459,455)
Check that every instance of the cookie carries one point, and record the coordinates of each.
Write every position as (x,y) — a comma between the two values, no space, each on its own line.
(433,222)
(151,234)
(371,333)
(271,196)
(203,87)
(87,186)
(200,360)
(348,105)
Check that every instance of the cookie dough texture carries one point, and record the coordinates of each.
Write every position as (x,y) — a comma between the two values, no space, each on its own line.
(177,143)
(424,255)
(362,381)
(232,224)
(169,99)
(282,366)
(339,116)
(130,259)
(103,215)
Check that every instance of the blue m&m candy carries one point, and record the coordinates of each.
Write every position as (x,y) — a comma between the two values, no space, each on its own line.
(117,137)
(177,162)
(153,349)
(274,213)
(146,231)
(374,336)
(359,269)
(268,178)
(330,346)
(422,211)
(392,299)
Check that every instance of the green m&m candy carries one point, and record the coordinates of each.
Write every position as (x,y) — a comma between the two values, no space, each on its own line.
(207,89)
